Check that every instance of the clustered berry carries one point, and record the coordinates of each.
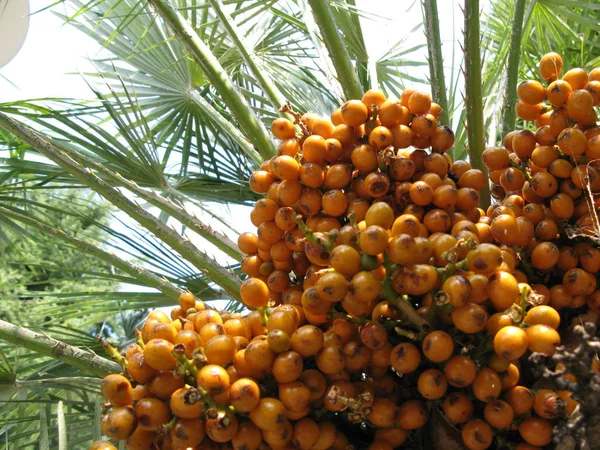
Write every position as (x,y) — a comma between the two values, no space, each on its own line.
(379,291)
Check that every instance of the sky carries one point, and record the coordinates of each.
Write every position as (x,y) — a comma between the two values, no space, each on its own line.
(395,20)
(50,52)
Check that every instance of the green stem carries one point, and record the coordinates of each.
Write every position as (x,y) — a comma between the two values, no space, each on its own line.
(346,75)
(40,343)
(138,339)
(514,54)
(228,127)
(273,93)
(264,315)
(137,272)
(111,351)
(219,240)
(436,60)
(333,314)
(218,77)
(62,427)
(227,280)
(77,381)
(310,236)
(448,270)
(474,99)
(187,364)
(526,266)
(169,426)
(523,167)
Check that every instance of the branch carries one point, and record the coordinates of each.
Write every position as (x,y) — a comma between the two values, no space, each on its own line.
(361,66)
(221,241)
(435,59)
(218,77)
(474,100)
(227,280)
(228,127)
(273,93)
(338,53)
(83,359)
(512,71)
(147,277)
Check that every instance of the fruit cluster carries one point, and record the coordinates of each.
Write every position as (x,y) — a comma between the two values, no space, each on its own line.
(381,295)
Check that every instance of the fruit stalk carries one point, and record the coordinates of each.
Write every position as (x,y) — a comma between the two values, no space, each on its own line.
(512,70)
(346,75)
(40,343)
(402,303)
(218,77)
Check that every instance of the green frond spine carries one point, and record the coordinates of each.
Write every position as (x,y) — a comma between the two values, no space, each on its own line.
(273,93)
(473,98)
(512,70)
(219,275)
(139,273)
(85,360)
(346,74)
(251,126)
(435,59)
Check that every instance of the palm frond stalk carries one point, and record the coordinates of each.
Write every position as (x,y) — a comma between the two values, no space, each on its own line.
(228,127)
(435,59)
(44,438)
(222,277)
(62,427)
(346,74)
(362,69)
(167,206)
(87,361)
(218,77)
(272,92)
(139,273)
(473,98)
(512,70)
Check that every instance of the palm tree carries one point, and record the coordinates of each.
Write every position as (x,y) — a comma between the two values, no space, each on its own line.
(180,119)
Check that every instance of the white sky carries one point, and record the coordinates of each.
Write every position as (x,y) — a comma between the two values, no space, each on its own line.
(51,50)
(384,30)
